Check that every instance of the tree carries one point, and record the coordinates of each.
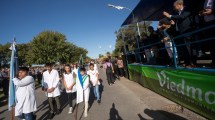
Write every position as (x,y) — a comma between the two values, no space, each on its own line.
(5,54)
(127,36)
(100,55)
(107,53)
(22,53)
(50,46)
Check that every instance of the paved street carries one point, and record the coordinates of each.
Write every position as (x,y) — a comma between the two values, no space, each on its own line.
(126,100)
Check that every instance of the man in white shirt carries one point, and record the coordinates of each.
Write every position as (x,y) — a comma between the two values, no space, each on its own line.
(25,95)
(51,86)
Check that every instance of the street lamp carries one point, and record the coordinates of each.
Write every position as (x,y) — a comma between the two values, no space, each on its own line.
(137,24)
(122,7)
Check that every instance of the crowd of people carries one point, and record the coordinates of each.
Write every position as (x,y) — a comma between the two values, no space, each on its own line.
(4,81)
(114,68)
(77,80)
(179,23)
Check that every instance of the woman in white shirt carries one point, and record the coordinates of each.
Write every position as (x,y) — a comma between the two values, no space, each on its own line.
(95,65)
(93,73)
(69,83)
(75,68)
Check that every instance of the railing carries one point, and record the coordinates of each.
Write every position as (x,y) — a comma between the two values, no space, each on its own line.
(179,45)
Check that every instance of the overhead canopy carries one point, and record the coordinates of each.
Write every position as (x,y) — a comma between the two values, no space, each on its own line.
(151,10)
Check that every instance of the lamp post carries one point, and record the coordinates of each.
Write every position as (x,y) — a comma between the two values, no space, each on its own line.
(137,26)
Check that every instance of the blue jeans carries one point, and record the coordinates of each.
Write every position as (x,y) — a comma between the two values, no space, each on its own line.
(96,92)
(26,116)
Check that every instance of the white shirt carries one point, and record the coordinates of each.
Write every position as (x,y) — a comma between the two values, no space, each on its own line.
(93,77)
(95,67)
(51,80)
(75,70)
(69,81)
(25,95)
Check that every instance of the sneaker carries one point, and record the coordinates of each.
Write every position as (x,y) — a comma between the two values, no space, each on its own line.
(58,112)
(70,110)
(51,115)
(99,101)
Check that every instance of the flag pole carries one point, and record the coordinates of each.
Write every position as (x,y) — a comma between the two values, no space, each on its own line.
(13,71)
(76,114)
(12,113)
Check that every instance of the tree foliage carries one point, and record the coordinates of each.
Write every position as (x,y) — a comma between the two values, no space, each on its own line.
(50,46)
(47,46)
(128,35)
(5,54)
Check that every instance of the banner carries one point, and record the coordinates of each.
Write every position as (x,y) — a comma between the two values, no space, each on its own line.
(194,90)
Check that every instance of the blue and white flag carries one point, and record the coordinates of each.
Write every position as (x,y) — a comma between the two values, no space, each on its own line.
(80,78)
(13,70)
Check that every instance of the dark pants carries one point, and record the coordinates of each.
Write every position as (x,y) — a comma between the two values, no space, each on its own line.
(109,77)
(26,116)
(57,100)
(5,86)
(121,71)
(210,44)
(116,73)
(189,59)
(71,97)
(184,52)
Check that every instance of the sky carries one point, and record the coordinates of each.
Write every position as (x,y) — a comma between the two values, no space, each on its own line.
(86,23)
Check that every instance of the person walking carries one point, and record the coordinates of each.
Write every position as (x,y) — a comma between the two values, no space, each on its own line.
(120,66)
(83,90)
(69,83)
(94,78)
(115,67)
(109,71)
(51,87)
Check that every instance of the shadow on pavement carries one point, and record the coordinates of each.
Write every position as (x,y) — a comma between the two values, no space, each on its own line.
(3,101)
(42,106)
(114,114)
(154,115)
(101,88)
(3,111)
(2,118)
(63,102)
(44,116)
(91,98)
(141,117)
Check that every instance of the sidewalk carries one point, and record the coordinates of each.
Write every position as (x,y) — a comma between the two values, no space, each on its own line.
(126,100)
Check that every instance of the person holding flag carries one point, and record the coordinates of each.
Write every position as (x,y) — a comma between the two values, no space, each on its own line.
(83,90)
(25,95)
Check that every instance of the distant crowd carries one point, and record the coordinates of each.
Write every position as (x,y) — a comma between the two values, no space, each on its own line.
(179,23)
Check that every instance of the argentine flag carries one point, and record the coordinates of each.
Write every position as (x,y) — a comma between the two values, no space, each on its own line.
(13,70)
